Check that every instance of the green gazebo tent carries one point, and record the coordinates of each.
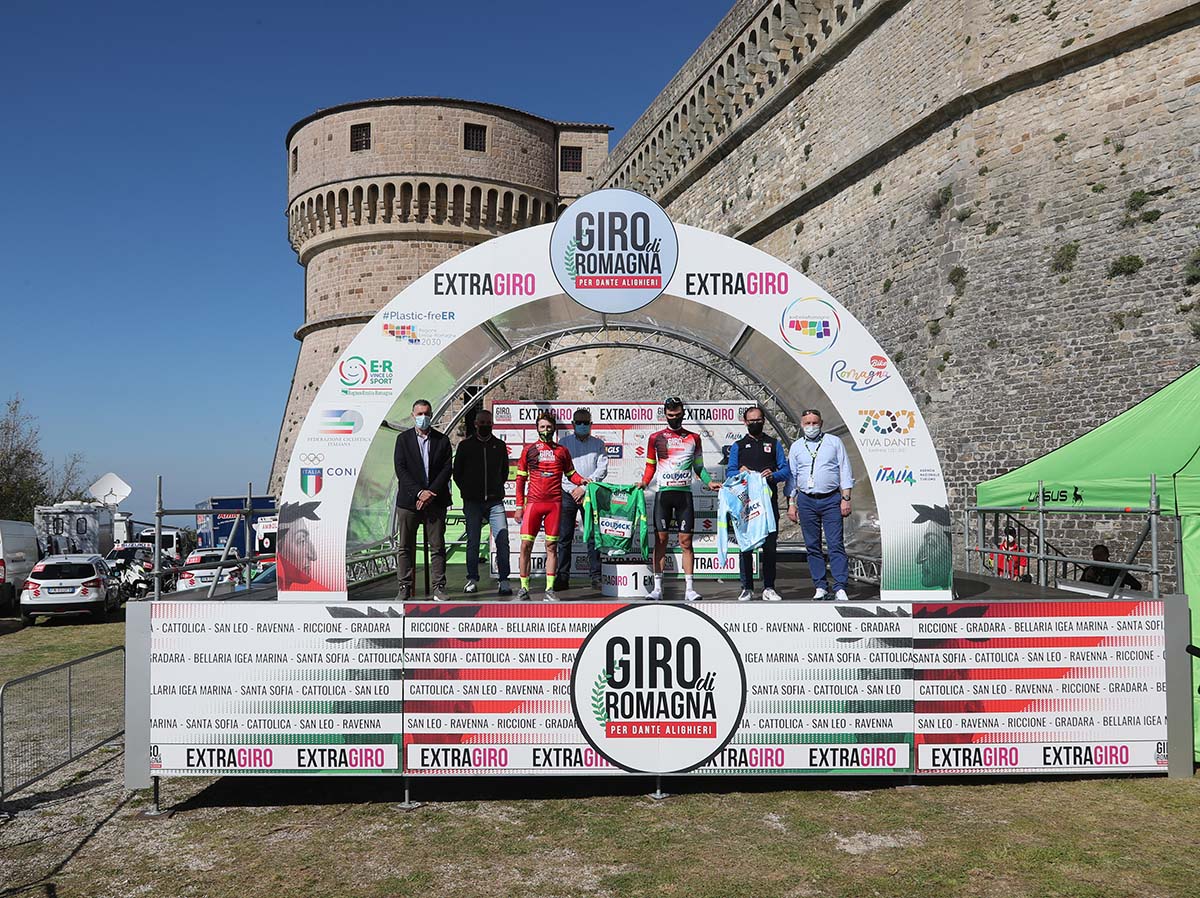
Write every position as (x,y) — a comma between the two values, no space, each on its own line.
(1111,466)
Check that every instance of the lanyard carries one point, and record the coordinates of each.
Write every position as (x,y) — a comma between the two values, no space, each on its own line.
(813,454)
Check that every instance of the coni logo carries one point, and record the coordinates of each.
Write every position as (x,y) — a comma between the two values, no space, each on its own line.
(810,326)
(658,689)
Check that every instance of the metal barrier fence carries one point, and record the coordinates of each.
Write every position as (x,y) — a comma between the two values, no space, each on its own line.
(50,718)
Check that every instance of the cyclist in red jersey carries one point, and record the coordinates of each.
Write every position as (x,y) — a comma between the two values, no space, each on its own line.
(543,465)
(674,457)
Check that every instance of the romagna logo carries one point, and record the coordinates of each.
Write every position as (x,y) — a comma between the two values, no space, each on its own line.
(860,379)
(810,326)
(658,688)
(614,251)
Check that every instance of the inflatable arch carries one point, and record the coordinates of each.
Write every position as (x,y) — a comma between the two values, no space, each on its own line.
(613,260)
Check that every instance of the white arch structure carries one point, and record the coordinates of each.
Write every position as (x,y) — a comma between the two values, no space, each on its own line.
(474,308)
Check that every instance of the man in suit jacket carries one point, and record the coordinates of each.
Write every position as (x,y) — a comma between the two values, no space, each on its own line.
(423,467)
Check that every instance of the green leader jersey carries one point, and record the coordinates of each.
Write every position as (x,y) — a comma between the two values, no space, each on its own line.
(615,513)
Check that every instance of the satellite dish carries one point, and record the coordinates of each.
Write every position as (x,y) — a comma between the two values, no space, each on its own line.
(110,489)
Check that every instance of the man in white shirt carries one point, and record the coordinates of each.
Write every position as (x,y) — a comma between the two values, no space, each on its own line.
(591,462)
(818,499)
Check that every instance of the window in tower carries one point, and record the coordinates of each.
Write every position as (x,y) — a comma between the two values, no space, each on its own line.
(475,138)
(360,137)
(295,159)
(570,159)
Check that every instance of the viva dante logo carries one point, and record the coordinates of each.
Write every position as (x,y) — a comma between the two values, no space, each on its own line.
(311,481)
(658,688)
(613,251)
(810,326)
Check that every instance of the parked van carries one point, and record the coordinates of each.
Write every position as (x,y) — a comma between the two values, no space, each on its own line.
(172,540)
(18,554)
(74,528)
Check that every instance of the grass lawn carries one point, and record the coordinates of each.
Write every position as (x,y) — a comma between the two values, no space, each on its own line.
(287,838)
(52,641)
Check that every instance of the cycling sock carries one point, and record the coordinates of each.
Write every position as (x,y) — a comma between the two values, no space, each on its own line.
(524,583)
(687,581)
(658,581)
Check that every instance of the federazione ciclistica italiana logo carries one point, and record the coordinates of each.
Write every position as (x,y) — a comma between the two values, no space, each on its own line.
(613,251)
(658,688)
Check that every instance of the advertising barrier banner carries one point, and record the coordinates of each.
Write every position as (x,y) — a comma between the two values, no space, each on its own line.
(606,688)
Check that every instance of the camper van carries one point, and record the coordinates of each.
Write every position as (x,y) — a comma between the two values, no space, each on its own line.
(172,541)
(18,554)
(74,528)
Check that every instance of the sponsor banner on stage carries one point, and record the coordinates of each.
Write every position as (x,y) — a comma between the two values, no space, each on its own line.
(1022,682)
(626,428)
(605,688)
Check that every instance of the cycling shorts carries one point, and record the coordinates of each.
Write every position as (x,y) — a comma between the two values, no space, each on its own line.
(539,515)
(674,510)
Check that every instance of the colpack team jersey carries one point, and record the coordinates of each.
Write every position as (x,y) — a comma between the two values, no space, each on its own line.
(674,456)
(544,466)
(746,502)
(616,514)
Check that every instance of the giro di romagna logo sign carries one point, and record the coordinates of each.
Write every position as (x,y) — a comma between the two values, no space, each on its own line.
(613,251)
(658,688)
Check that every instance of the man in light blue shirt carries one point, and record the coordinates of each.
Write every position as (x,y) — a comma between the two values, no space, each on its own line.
(818,499)
(591,463)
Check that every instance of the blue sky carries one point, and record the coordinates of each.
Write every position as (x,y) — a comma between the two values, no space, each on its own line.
(147,290)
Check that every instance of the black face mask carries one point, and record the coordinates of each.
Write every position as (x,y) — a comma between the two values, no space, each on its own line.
(675,423)
(755,428)
(484,431)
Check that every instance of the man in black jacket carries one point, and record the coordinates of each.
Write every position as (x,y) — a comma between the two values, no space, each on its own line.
(481,470)
(423,467)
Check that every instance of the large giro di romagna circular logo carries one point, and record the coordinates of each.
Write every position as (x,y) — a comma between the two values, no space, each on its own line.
(658,688)
(613,251)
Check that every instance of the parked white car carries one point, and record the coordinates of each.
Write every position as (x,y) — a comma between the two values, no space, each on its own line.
(204,577)
(18,554)
(70,584)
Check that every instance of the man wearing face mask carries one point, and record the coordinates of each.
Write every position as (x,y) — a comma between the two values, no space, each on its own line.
(423,468)
(591,461)
(758,452)
(819,498)
(480,471)
(674,457)
(543,464)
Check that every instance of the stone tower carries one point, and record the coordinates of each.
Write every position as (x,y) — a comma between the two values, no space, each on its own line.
(381,191)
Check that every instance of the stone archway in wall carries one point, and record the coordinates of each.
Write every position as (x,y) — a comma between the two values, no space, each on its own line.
(767,321)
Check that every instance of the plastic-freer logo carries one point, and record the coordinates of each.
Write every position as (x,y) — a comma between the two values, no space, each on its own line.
(614,251)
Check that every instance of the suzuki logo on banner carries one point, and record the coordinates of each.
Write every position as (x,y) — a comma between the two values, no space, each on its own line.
(658,688)
(613,250)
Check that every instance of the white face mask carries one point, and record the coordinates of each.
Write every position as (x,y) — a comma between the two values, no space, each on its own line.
(812,431)
(422,421)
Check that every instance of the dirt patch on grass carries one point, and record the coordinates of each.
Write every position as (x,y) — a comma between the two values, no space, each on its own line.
(866,843)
